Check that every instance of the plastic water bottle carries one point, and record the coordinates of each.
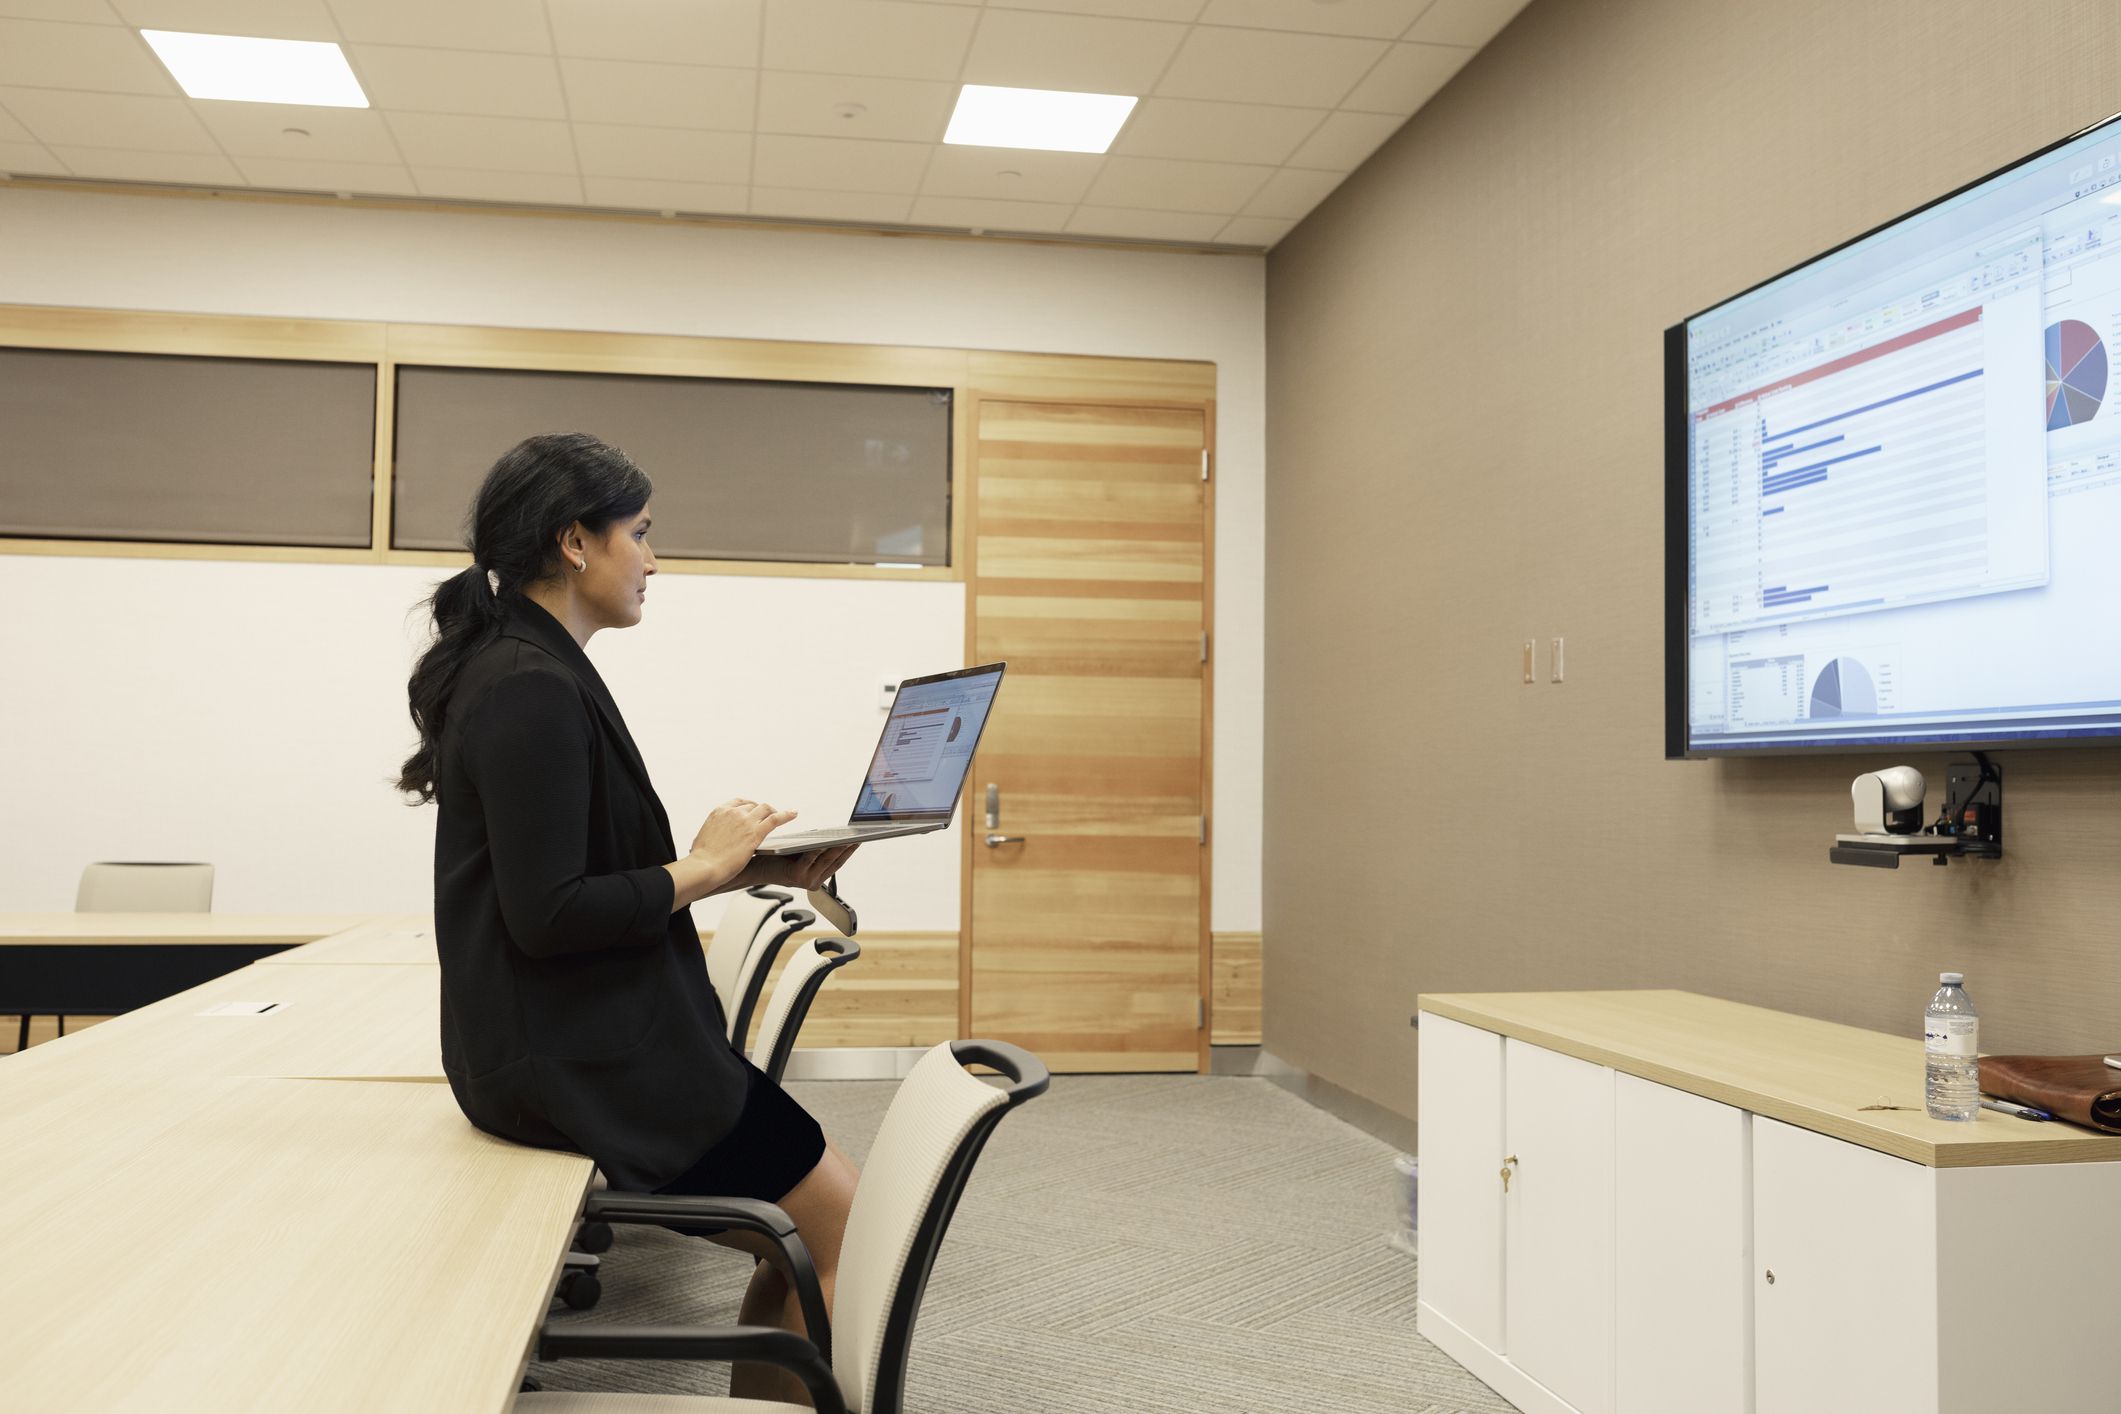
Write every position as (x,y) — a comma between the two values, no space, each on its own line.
(1951,1044)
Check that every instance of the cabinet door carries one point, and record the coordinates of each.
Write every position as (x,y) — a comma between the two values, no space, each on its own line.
(1682,1313)
(1558,1283)
(1848,1318)
(1459,1091)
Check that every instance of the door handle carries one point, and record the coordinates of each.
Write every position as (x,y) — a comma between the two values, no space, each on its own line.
(994,841)
(994,805)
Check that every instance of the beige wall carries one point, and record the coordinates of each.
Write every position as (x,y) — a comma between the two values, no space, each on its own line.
(1464,402)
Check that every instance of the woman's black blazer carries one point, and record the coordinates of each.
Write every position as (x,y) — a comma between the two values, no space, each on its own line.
(576,1010)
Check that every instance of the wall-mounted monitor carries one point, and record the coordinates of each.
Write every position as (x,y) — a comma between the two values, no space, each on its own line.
(1893,481)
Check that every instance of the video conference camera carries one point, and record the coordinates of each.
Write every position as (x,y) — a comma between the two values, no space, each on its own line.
(1888,809)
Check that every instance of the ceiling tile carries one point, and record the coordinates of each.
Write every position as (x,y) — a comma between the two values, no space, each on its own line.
(828,205)
(198,168)
(1074,52)
(977,214)
(1470,22)
(1344,140)
(128,120)
(510,26)
(636,194)
(659,95)
(1371,19)
(1179,10)
(99,58)
(1159,184)
(1039,176)
(360,178)
(534,188)
(264,19)
(10,130)
(1258,66)
(881,37)
(1406,78)
(260,130)
(87,12)
(1254,230)
(1291,194)
(837,164)
(1215,132)
(29,159)
(663,154)
(905,110)
(459,81)
(719,32)
(491,144)
(1145,225)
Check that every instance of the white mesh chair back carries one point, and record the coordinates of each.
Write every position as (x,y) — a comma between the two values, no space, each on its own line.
(783,1016)
(743,999)
(145,888)
(938,1108)
(733,937)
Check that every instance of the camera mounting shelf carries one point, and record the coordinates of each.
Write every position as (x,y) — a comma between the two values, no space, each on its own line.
(1970,827)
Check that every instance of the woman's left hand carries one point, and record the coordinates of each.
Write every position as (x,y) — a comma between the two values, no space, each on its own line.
(795,871)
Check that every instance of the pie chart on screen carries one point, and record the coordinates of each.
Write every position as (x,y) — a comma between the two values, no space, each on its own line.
(2076,373)
(1844,689)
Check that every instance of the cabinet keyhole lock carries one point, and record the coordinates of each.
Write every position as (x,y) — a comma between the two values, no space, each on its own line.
(1507,1165)
(1771,1278)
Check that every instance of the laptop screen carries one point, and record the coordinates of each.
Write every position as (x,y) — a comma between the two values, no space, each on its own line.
(927,745)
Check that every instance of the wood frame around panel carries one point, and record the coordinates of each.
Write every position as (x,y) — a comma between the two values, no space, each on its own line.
(999,386)
(386,345)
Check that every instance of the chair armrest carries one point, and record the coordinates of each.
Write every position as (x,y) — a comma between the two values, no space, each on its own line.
(767,1343)
(687,1212)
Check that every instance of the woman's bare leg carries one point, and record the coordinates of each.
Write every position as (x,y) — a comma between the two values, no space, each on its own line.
(819,1207)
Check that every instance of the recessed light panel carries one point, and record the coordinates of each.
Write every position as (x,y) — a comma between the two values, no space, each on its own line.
(247,70)
(1046,119)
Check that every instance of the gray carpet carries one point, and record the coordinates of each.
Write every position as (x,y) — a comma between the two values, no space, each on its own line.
(1127,1245)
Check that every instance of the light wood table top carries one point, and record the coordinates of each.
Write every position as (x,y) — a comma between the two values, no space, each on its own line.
(350,1021)
(1817,1075)
(405,939)
(175,928)
(187,1244)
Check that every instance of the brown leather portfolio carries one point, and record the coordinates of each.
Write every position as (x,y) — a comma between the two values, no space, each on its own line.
(2082,1089)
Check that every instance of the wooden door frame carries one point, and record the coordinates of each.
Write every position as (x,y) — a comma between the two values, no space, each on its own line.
(966,512)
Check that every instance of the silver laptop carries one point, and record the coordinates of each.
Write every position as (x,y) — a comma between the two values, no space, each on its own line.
(919,768)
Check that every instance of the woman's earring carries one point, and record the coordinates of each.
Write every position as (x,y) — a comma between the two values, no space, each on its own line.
(581,566)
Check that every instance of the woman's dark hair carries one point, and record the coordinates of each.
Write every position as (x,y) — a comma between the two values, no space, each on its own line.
(537,489)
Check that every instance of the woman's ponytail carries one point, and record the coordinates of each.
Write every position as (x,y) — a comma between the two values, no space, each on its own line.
(539,488)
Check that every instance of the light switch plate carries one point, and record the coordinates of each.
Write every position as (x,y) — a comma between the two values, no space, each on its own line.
(1528,660)
(1555,658)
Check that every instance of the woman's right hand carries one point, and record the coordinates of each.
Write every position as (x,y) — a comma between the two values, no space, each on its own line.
(733,832)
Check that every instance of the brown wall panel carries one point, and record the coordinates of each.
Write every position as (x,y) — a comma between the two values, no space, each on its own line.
(1464,452)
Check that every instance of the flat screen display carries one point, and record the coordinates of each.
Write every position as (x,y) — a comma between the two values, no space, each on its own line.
(1893,480)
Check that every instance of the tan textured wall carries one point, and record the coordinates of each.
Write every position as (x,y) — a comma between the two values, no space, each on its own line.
(1464,404)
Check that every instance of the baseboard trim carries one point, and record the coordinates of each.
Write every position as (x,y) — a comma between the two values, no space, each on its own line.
(853,1062)
(1365,1114)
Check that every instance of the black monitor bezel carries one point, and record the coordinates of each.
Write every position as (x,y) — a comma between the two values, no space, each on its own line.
(1677,724)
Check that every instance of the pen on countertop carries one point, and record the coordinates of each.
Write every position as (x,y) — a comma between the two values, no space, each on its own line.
(2021,1111)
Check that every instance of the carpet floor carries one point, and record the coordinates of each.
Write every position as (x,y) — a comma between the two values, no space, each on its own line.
(1127,1245)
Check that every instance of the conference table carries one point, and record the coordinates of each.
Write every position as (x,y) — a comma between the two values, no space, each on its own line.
(259,1194)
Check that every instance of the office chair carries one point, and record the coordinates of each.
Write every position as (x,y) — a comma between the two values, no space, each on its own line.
(142,887)
(742,918)
(806,971)
(932,1134)
(743,1001)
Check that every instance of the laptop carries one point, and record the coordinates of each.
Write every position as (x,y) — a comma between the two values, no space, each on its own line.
(919,768)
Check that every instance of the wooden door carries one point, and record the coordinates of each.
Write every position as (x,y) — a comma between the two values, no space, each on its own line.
(1087,938)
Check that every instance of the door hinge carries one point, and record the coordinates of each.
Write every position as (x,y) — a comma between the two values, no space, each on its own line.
(1200,1013)
(1202,821)
(1204,463)
(1204,648)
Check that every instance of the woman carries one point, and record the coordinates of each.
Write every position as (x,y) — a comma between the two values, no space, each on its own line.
(576,1010)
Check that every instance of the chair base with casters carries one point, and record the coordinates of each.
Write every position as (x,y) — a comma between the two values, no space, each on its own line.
(932,1135)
